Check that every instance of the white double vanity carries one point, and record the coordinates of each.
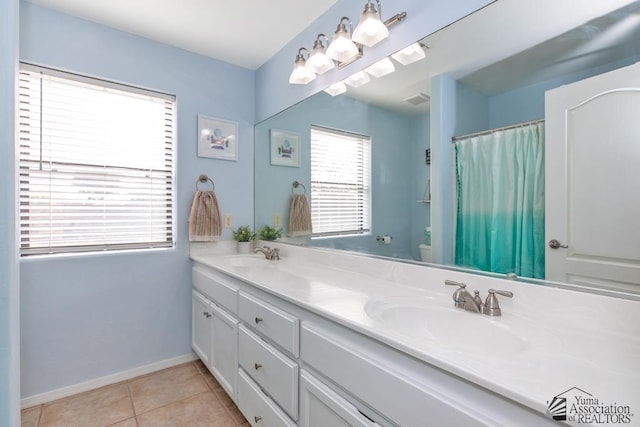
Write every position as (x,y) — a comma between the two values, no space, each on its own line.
(322,339)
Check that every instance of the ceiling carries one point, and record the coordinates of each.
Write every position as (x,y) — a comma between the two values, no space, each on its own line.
(242,32)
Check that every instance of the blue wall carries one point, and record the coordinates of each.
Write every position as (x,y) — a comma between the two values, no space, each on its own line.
(88,316)
(417,183)
(393,138)
(9,274)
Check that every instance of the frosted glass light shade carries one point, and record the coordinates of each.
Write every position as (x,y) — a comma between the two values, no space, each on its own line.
(300,74)
(409,54)
(336,89)
(342,48)
(381,68)
(318,62)
(358,79)
(371,29)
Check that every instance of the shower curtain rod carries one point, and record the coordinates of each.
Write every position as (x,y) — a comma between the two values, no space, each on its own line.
(487,132)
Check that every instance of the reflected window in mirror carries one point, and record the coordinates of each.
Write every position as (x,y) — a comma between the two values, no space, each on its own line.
(340,182)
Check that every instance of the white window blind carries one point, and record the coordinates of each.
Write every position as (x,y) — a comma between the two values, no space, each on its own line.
(340,182)
(96,164)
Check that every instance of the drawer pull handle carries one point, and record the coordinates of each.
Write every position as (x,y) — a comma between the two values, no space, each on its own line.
(257,418)
(258,320)
(205,314)
(257,366)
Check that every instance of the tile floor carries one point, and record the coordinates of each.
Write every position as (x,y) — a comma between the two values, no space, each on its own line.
(182,396)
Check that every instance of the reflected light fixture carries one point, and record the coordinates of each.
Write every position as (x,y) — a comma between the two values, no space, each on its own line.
(410,54)
(370,29)
(342,48)
(336,89)
(318,61)
(358,79)
(301,75)
(381,68)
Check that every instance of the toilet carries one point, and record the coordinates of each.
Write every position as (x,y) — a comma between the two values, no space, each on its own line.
(425,253)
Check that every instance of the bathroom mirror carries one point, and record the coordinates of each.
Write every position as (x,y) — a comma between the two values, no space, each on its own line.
(509,79)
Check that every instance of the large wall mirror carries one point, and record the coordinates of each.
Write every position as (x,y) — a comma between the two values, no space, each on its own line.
(494,89)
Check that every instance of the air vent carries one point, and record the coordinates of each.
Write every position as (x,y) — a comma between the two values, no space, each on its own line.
(418,99)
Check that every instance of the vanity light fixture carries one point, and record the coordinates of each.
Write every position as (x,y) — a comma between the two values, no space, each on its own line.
(336,89)
(410,54)
(358,79)
(342,48)
(301,75)
(318,61)
(370,29)
(381,68)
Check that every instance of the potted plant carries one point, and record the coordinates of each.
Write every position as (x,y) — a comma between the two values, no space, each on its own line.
(270,233)
(244,236)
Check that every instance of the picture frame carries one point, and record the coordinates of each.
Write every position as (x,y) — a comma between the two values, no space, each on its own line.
(285,148)
(217,138)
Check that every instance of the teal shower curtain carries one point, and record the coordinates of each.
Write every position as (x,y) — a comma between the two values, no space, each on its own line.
(500,209)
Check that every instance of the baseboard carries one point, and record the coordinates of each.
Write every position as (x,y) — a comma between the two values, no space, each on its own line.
(50,396)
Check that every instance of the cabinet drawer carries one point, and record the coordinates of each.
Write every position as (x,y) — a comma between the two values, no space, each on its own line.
(392,394)
(320,406)
(257,408)
(275,324)
(272,370)
(218,290)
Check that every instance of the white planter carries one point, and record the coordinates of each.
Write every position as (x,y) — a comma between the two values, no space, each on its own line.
(244,247)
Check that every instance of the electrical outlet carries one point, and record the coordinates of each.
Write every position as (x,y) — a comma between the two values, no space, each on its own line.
(228,221)
(277,220)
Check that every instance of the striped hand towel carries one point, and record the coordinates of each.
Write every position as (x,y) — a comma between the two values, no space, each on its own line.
(204,221)
(299,216)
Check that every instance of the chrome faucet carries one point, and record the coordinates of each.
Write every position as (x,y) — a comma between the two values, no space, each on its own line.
(463,299)
(270,254)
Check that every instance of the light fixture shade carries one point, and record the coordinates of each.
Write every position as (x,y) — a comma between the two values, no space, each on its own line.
(342,48)
(370,29)
(318,61)
(409,54)
(358,79)
(381,68)
(301,75)
(336,89)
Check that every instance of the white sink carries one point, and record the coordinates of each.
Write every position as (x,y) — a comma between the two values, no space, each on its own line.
(449,328)
(248,261)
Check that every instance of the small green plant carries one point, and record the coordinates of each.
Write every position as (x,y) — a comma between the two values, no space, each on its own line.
(243,234)
(270,233)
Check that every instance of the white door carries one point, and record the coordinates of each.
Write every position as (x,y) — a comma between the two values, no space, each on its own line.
(593,181)
(224,357)
(201,327)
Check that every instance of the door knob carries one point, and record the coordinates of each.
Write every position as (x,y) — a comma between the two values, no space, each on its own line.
(554,244)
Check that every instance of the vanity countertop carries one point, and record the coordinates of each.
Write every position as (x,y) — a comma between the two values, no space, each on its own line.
(547,341)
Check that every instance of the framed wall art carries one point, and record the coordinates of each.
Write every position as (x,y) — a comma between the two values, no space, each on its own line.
(285,148)
(217,138)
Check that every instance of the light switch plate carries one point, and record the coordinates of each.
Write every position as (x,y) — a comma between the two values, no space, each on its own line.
(228,221)
(277,220)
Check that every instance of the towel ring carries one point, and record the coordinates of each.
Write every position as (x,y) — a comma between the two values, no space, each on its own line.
(297,184)
(203,179)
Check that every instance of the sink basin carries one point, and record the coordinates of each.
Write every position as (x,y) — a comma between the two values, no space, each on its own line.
(248,261)
(448,328)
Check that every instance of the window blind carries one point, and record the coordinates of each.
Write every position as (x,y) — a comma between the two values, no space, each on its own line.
(96,164)
(340,182)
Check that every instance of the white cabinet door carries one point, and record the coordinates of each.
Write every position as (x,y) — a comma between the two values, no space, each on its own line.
(321,407)
(201,314)
(224,343)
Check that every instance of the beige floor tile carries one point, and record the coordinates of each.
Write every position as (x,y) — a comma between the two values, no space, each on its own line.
(131,422)
(201,368)
(236,415)
(223,397)
(167,386)
(202,410)
(100,407)
(30,417)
